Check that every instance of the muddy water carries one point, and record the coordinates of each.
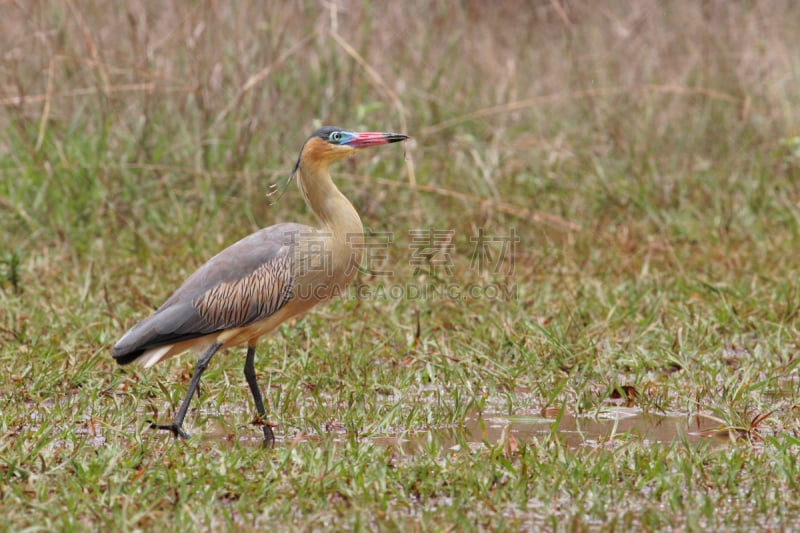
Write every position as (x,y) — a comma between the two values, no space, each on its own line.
(610,427)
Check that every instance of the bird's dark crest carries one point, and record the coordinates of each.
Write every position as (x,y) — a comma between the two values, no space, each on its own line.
(323,133)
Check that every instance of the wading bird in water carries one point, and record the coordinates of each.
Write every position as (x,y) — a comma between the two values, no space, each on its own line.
(251,287)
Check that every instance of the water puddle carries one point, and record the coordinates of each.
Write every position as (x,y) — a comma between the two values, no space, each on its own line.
(609,427)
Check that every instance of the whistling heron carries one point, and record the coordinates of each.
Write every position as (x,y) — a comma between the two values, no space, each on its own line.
(251,287)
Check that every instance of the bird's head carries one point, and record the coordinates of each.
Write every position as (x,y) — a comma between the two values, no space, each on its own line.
(329,144)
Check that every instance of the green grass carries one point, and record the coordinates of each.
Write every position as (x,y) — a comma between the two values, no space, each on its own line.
(645,154)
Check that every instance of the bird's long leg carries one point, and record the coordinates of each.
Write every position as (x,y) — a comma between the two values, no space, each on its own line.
(176,427)
(250,376)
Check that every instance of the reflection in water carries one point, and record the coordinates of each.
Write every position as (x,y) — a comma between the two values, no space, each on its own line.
(609,427)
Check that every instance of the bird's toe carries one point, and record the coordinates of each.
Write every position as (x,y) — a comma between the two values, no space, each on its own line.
(172,428)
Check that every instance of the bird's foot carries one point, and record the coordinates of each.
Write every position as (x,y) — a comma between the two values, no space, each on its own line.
(269,436)
(175,429)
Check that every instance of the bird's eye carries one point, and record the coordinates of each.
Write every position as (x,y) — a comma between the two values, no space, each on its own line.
(336,136)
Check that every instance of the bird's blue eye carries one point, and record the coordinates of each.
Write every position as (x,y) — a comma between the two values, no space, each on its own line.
(336,136)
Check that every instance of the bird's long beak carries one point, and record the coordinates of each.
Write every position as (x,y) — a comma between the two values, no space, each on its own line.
(372,138)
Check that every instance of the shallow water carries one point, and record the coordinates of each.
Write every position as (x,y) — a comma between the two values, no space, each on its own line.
(609,427)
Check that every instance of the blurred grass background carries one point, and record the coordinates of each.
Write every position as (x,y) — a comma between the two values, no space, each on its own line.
(646,154)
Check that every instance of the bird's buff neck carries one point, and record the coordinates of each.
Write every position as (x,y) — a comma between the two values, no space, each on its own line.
(332,208)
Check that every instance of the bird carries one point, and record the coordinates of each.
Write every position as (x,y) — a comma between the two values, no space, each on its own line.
(247,290)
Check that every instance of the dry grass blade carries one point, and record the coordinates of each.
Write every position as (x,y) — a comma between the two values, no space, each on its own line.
(93,50)
(381,83)
(503,207)
(89,91)
(375,77)
(562,14)
(46,110)
(260,76)
(574,95)
(758,420)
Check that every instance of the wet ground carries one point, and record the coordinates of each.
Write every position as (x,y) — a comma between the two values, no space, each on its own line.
(609,427)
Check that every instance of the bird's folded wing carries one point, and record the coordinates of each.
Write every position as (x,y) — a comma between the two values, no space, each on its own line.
(245,283)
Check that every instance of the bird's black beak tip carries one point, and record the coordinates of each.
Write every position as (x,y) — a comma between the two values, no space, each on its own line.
(395,137)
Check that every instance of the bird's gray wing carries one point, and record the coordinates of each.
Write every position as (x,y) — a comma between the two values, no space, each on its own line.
(247,282)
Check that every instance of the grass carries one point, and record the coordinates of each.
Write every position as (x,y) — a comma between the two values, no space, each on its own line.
(644,153)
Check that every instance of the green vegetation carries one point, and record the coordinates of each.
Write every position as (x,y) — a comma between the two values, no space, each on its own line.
(645,153)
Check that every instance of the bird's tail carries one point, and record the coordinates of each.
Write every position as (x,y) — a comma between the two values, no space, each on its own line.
(125,357)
